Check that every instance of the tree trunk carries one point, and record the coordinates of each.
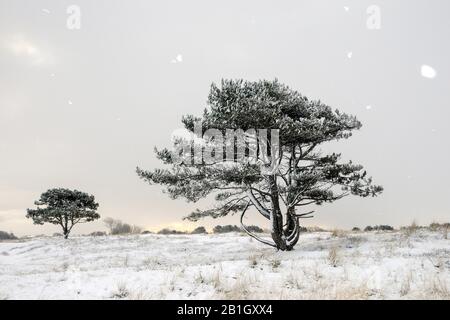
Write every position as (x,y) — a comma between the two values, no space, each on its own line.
(290,222)
(294,240)
(276,218)
(284,238)
(292,229)
(277,230)
(65,230)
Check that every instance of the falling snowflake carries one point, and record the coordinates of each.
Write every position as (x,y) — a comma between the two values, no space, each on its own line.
(46,11)
(178,59)
(70,102)
(349,54)
(427,71)
(346,9)
(368,107)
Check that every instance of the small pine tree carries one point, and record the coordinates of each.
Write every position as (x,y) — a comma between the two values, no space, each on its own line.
(64,207)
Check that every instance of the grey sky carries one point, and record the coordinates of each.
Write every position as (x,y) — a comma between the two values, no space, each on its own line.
(82,108)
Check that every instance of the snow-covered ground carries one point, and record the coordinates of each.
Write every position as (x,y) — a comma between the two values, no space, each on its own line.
(385,265)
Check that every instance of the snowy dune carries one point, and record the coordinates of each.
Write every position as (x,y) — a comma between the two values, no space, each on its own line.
(347,265)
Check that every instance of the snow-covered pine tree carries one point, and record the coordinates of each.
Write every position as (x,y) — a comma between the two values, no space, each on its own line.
(304,176)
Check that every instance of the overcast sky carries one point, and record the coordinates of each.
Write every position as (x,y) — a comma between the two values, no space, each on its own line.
(81,108)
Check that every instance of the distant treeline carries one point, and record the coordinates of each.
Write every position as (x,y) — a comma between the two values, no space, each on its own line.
(117,227)
(7,236)
(217,229)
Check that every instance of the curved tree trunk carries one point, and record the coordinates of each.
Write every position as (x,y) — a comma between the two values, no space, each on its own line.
(292,231)
(287,238)
(284,238)
(276,218)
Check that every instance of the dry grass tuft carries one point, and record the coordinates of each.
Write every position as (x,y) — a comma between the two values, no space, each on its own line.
(336,233)
(62,268)
(238,291)
(411,229)
(254,260)
(406,285)
(200,279)
(334,256)
(275,263)
(438,289)
(121,292)
(215,280)
(361,292)
(293,281)
(151,263)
